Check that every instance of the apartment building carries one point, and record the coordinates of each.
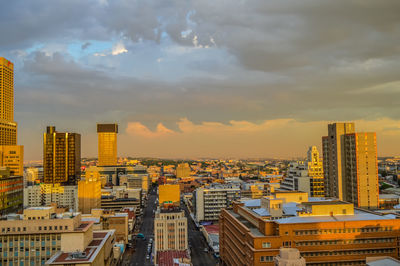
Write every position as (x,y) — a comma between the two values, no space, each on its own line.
(89,194)
(350,165)
(325,233)
(208,202)
(46,194)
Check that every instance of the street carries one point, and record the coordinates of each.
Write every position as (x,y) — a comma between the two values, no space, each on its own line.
(196,239)
(198,244)
(147,228)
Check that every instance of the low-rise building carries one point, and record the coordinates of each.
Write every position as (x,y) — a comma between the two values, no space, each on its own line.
(38,234)
(11,192)
(46,194)
(325,233)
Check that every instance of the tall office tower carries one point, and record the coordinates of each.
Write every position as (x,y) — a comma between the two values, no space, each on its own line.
(315,172)
(61,157)
(332,146)
(8,128)
(361,170)
(107,144)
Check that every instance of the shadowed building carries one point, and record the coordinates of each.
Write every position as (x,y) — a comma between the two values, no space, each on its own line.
(61,157)
(107,144)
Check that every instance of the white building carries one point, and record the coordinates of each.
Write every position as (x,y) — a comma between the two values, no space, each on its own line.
(209,201)
(170,230)
(297,178)
(45,194)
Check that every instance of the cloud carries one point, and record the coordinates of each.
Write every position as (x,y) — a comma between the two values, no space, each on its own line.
(85,45)
(137,128)
(118,48)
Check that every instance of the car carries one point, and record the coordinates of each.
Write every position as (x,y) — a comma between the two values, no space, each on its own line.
(205,250)
(147,257)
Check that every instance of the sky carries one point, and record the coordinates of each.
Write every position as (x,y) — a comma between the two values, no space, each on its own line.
(210,78)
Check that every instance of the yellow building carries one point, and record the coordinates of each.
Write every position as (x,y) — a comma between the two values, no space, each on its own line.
(361,171)
(89,195)
(183,170)
(61,157)
(315,173)
(169,193)
(13,158)
(107,144)
(8,128)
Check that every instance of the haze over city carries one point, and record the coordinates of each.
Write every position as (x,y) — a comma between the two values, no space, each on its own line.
(204,78)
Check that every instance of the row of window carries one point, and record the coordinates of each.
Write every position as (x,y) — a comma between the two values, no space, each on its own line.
(23,229)
(344,242)
(345,230)
(348,252)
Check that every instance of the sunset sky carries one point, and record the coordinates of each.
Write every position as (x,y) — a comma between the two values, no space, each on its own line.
(207,78)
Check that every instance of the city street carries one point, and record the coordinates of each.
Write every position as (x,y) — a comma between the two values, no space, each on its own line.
(198,244)
(147,226)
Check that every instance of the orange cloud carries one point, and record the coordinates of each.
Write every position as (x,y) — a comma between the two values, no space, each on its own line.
(137,128)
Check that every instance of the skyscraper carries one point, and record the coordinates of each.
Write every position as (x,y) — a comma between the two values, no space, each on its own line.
(61,157)
(332,146)
(8,128)
(361,170)
(350,165)
(11,154)
(107,144)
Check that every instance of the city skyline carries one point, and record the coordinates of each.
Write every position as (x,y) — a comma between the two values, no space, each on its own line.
(188,74)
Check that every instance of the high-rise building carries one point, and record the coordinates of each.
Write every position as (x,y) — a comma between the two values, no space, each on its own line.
(169,194)
(361,170)
(333,153)
(107,144)
(61,157)
(315,172)
(8,128)
(13,158)
(350,165)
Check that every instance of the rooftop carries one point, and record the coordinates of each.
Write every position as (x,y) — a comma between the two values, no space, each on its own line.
(88,255)
(166,258)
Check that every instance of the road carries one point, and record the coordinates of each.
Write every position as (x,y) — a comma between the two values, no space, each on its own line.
(147,228)
(198,243)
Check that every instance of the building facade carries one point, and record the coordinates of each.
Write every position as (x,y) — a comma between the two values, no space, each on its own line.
(11,192)
(315,172)
(208,202)
(89,194)
(169,193)
(46,194)
(325,233)
(13,158)
(170,230)
(38,234)
(361,170)
(350,165)
(8,128)
(61,157)
(333,153)
(183,170)
(107,144)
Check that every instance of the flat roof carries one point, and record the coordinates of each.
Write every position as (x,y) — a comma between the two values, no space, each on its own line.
(91,251)
(359,215)
(166,258)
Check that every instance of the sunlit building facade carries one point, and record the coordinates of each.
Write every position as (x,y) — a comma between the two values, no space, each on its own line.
(13,158)
(8,127)
(107,144)
(61,157)
(89,194)
(315,172)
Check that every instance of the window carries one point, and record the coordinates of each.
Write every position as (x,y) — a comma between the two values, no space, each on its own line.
(266,245)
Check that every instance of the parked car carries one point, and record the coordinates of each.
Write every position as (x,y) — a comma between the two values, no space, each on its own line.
(147,257)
